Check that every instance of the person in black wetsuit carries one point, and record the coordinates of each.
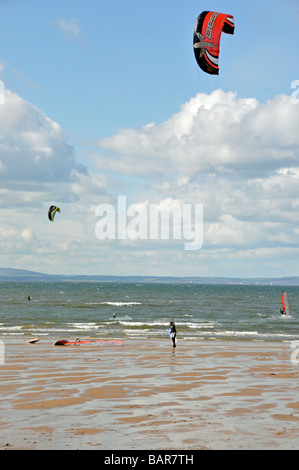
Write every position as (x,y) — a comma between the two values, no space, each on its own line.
(172,332)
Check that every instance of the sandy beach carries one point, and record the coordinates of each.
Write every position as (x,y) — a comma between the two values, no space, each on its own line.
(147,395)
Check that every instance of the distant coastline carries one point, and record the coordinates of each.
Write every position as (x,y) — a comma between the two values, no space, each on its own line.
(23,275)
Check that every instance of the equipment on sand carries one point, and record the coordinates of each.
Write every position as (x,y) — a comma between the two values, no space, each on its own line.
(65,342)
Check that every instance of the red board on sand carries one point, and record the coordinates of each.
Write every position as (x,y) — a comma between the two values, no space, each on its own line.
(65,342)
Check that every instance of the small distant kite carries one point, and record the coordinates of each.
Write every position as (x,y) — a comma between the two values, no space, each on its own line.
(52,212)
(206,38)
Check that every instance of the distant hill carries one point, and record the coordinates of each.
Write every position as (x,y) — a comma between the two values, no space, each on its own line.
(23,275)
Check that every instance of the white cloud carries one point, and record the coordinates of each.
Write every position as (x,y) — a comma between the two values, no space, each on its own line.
(38,167)
(237,157)
(70,27)
(33,148)
(214,133)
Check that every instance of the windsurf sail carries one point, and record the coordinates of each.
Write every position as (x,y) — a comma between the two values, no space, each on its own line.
(285,303)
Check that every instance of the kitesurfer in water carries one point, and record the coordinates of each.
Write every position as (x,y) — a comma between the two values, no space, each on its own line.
(172,332)
(282,312)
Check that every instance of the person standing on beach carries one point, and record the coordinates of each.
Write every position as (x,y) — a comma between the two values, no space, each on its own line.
(172,333)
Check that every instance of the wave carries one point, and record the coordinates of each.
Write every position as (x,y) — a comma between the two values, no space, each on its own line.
(84,326)
(120,304)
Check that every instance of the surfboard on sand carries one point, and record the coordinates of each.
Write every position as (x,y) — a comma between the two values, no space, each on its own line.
(34,340)
(65,342)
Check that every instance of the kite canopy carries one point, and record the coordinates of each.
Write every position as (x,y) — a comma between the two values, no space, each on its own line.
(52,212)
(206,38)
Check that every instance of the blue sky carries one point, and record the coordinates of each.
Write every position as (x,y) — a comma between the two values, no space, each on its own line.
(93,80)
(106,99)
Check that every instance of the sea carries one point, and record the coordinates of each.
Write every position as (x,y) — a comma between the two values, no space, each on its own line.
(105,310)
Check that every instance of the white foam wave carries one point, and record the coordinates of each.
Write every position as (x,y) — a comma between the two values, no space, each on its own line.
(121,304)
(84,326)
(11,328)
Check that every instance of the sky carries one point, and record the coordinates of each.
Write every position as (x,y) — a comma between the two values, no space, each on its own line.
(105,113)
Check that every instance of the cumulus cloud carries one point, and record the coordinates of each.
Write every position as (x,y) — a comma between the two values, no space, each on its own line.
(236,156)
(33,148)
(37,162)
(214,133)
(39,167)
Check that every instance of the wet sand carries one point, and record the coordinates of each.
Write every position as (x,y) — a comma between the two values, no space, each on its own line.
(147,395)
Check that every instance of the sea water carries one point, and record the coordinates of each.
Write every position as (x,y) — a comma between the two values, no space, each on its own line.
(71,310)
